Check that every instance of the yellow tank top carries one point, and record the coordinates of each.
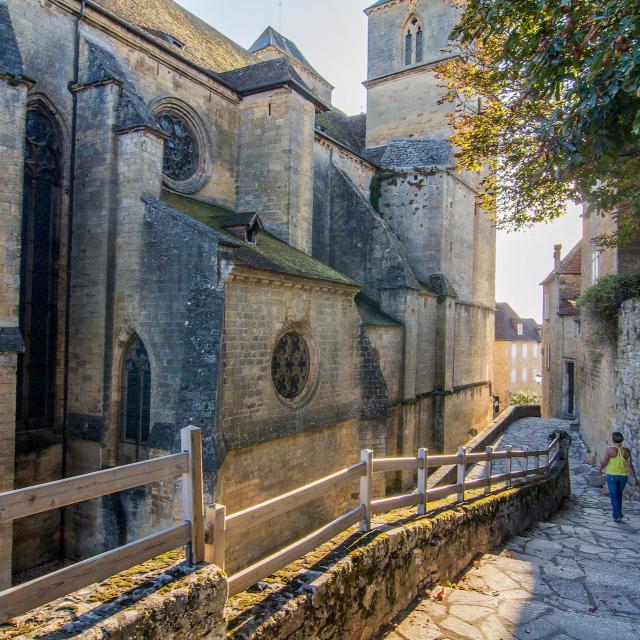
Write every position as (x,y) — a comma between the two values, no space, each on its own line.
(618,466)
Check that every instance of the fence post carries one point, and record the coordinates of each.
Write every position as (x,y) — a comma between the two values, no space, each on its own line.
(192,494)
(537,464)
(215,534)
(366,489)
(423,468)
(489,452)
(548,455)
(462,469)
(526,464)
(509,449)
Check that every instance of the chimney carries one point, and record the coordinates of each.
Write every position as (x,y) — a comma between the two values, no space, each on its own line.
(557,255)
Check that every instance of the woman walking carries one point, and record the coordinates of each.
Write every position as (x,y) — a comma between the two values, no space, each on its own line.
(619,466)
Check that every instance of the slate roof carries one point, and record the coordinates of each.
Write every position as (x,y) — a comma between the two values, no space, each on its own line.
(347,130)
(204,45)
(407,153)
(377,4)
(10,58)
(272,38)
(269,73)
(132,109)
(371,314)
(227,220)
(570,265)
(270,254)
(507,325)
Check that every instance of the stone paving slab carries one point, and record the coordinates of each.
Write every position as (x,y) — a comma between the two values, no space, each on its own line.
(575,577)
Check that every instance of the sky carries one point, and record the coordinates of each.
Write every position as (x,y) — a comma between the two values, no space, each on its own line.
(332,35)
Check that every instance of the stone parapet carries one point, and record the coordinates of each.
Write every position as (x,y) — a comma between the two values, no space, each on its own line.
(163,598)
(380,575)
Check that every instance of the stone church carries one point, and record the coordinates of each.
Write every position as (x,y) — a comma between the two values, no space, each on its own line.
(192,234)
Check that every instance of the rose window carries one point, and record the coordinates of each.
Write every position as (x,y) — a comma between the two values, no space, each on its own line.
(290,365)
(180,161)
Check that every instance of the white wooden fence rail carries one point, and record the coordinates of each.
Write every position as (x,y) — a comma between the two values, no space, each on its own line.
(204,533)
(218,526)
(53,495)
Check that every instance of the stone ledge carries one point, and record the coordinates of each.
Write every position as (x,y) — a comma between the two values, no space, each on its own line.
(378,575)
(162,598)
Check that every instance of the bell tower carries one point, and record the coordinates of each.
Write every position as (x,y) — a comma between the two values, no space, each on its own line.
(407,38)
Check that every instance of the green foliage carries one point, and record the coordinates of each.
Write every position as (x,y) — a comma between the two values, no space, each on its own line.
(524,398)
(604,298)
(548,95)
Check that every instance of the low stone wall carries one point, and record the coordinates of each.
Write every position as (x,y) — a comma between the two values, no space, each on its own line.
(381,574)
(447,475)
(163,598)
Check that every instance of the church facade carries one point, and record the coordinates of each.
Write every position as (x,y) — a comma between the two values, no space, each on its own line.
(192,234)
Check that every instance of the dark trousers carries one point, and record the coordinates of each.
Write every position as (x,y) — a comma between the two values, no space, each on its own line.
(616,485)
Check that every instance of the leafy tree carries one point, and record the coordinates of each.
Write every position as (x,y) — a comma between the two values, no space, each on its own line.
(524,398)
(548,96)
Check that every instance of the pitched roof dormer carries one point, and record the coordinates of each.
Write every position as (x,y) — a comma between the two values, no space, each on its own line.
(246,226)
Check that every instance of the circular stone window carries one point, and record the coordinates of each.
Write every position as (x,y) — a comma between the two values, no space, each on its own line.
(180,160)
(186,163)
(290,365)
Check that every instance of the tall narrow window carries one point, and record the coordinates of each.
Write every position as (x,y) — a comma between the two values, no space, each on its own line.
(136,393)
(595,265)
(419,45)
(408,48)
(38,304)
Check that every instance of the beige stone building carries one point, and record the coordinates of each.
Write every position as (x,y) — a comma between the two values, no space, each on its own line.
(517,358)
(561,334)
(192,234)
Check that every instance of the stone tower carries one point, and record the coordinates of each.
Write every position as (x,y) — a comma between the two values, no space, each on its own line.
(427,202)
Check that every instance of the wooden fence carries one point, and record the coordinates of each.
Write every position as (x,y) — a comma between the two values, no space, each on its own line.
(219,524)
(21,503)
(204,533)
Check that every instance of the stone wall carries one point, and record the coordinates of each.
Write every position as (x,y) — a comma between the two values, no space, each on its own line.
(275,163)
(610,386)
(628,382)
(368,581)
(13,99)
(162,598)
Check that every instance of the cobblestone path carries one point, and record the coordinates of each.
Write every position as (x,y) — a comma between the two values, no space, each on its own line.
(575,577)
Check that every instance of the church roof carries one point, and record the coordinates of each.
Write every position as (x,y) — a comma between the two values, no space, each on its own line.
(347,130)
(267,74)
(507,325)
(270,254)
(272,38)
(376,4)
(169,23)
(408,153)
(10,58)
(371,313)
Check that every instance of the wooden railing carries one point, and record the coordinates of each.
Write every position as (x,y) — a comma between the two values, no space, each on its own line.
(61,493)
(219,526)
(204,533)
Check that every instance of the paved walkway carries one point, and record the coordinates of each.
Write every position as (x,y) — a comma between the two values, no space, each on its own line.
(576,577)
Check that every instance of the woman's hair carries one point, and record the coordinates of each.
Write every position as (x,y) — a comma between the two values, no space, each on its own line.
(617,437)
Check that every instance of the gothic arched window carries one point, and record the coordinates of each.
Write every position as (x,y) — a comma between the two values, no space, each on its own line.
(35,404)
(408,47)
(419,44)
(413,42)
(136,393)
